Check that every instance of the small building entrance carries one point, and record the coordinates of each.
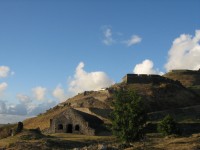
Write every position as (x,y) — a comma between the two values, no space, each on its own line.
(69,128)
(60,127)
(77,128)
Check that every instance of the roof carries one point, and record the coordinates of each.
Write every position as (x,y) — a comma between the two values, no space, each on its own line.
(92,120)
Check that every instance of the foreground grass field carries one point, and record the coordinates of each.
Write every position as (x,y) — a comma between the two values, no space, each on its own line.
(31,141)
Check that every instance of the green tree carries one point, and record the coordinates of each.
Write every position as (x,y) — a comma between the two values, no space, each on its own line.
(168,126)
(129,116)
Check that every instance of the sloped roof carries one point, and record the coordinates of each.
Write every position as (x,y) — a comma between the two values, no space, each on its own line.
(93,121)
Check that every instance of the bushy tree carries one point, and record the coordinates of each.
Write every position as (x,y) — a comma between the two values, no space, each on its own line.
(129,116)
(168,126)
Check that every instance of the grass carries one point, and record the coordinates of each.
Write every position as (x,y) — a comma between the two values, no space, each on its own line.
(42,121)
(153,141)
(82,138)
(9,140)
(57,141)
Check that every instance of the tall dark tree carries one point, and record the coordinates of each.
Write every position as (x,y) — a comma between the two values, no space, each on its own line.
(129,116)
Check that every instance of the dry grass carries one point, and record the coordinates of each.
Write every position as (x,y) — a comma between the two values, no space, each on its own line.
(156,142)
(42,121)
(152,142)
(82,138)
(7,141)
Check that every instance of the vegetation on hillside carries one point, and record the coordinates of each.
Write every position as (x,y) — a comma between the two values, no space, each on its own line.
(168,126)
(129,116)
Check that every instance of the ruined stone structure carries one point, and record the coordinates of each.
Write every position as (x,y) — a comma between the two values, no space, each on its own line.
(145,79)
(74,121)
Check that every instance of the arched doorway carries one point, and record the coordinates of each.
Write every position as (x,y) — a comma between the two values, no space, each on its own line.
(77,128)
(69,128)
(60,127)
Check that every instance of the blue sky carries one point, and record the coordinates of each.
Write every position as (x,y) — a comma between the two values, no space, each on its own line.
(49,46)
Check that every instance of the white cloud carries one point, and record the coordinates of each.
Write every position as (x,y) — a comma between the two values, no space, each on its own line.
(5,118)
(41,108)
(85,81)
(108,40)
(3,108)
(3,86)
(4,71)
(135,39)
(39,93)
(146,67)
(18,109)
(24,98)
(59,93)
(184,52)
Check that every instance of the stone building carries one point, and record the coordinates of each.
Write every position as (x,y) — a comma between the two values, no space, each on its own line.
(74,121)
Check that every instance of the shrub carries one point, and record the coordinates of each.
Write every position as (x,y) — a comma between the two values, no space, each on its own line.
(168,126)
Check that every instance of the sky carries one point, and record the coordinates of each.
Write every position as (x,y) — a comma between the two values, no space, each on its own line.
(51,50)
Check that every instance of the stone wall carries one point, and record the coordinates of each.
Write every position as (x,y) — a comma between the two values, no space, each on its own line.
(145,79)
(69,125)
(74,121)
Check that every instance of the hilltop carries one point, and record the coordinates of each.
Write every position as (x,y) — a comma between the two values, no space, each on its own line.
(189,78)
(160,94)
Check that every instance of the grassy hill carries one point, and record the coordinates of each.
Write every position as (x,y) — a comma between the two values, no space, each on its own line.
(158,97)
(162,98)
(189,78)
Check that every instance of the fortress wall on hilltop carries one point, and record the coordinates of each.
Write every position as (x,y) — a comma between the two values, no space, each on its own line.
(145,79)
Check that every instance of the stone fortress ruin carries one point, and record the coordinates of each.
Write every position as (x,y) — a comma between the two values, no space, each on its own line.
(146,79)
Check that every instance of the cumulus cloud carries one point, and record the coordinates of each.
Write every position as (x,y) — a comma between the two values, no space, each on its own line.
(18,109)
(24,98)
(26,106)
(3,86)
(6,118)
(135,39)
(3,108)
(59,93)
(42,107)
(184,52)
(146,67)
(4,71)
(108,40)
(85,81)
(25,109)
(39,93)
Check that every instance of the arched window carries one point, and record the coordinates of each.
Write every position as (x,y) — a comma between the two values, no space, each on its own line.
(77,128)
(60,127)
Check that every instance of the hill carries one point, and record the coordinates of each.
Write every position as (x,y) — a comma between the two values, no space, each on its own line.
(162,96)
(189,78)
(159,93)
